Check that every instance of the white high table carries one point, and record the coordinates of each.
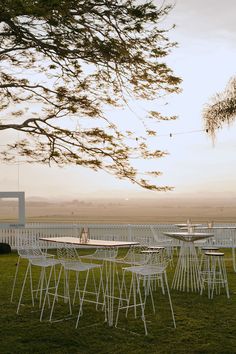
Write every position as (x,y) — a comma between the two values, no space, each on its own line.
(187,272)
(109,267)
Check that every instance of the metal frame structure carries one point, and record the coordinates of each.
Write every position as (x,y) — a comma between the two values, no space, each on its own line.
(21,208)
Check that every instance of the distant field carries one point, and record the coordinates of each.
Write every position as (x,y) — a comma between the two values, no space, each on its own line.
(139,211)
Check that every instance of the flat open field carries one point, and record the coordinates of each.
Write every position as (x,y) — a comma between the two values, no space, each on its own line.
(123,211)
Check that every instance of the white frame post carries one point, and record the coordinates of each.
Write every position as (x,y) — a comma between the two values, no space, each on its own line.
(21,208)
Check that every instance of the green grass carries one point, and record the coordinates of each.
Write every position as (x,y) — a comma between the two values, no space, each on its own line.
(203,325)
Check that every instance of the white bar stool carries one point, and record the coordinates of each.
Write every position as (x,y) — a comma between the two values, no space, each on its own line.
(147,274)
(203,259)
(70,262)
(135,290)
(214,274)
(43,263)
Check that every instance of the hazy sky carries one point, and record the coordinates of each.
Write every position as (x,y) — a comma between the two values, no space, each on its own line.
(205,59)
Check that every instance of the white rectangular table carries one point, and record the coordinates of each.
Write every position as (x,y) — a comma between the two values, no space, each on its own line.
(110,270)
(90,243)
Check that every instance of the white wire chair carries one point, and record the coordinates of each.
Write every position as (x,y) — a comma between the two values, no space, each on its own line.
(28,248)
(101,254)
(149,274)
(134,256)
(70,262)
(159,239)
(44,263)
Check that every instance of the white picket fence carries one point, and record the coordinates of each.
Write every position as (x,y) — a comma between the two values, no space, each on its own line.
(145,234)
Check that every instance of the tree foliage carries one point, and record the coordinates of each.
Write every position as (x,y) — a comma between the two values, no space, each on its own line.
(63,62)
(221,110)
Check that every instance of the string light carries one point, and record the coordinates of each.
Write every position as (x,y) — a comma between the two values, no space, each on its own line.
(170,135)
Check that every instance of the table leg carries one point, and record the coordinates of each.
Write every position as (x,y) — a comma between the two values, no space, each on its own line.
(109,292)
(187,273)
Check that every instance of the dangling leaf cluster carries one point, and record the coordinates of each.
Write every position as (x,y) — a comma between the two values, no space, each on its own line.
(221,110)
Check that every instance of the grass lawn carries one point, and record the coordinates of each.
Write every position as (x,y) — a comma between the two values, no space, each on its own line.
(203,325)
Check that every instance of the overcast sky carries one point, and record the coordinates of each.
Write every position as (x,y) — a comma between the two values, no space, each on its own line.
(205,59)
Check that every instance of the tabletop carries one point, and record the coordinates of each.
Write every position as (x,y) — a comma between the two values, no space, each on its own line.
(151,251)
(190,224)
(90,242)
(216,227)
(189,236)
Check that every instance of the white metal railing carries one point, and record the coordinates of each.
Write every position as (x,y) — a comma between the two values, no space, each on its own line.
(145,234)
(141,233)
(149,234)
